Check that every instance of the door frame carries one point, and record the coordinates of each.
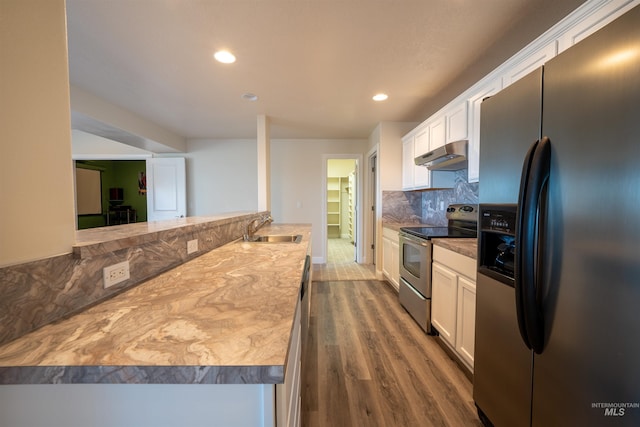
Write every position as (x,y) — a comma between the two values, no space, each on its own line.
(359,188)
(371,207)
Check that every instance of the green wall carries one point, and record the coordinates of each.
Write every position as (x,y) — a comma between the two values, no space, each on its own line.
(116,173)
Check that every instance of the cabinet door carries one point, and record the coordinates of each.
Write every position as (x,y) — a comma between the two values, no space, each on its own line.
(466,322)
(592,23)
(408,164)
(413,177)
(387,263)
(421,175)
(390,257)
(475,104)
(531,62)
(437,132)
(457,122)
(421,142)
(287,403)
(395,264)
(444,291)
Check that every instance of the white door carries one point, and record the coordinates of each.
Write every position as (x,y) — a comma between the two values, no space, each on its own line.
(166,188)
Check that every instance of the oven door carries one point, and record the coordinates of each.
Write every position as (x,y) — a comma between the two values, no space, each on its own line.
(415,263)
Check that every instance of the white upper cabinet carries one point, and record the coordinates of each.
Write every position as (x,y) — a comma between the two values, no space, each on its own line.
(407,162)
(421,175)
(437,131)
(428,136)
(457,122)
(421,141)
(475,103)
(530,62)
(592,22)
(460,119)
(415,177)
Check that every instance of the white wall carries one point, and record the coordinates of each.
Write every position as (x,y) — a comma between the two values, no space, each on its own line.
(88,146)
(95,115)
(390,154)
(297,180)
(222,176)
(386,138)
(37,219)
(339,168)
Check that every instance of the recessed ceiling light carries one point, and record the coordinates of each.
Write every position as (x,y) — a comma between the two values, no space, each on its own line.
(380,97)
(250,96)
(225,57)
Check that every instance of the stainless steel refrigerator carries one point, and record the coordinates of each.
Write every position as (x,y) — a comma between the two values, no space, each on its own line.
(558,288)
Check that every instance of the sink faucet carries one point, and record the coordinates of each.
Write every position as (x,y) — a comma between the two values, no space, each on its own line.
(256,225)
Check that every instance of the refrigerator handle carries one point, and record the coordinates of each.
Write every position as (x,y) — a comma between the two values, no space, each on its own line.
(535,173)
(519,280)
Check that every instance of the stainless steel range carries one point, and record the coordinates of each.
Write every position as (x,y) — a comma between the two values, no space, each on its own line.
(416,256)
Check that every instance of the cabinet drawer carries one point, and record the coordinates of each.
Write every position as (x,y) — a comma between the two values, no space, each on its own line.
(390,234)
(455,261)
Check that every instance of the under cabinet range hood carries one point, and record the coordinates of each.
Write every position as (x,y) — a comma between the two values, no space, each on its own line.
(449,157)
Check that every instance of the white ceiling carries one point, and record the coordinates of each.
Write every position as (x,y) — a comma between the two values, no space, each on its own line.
(315,64)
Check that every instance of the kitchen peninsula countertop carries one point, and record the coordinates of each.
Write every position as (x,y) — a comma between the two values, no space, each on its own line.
(101,240)
(224,317)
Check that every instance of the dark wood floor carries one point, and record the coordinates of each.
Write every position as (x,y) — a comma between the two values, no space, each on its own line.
(368,363)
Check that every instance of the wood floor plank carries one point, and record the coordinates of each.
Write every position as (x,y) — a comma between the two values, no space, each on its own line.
(369,364)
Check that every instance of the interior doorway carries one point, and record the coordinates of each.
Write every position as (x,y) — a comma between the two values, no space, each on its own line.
(342,210)
(109,192)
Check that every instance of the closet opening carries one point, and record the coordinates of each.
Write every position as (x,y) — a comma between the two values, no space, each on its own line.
(341,210)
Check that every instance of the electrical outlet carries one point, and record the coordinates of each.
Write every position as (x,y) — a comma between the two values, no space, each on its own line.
(192,246)
(115,273)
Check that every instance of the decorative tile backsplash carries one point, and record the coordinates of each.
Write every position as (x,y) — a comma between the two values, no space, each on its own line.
(427,206)
(402,206)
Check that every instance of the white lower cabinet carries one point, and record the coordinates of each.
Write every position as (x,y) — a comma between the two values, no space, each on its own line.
(391,256)
(466,317)
(288,394)
(444,296)
(453,303)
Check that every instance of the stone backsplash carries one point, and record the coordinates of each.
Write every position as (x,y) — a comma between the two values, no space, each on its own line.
(427,206)
(37,293)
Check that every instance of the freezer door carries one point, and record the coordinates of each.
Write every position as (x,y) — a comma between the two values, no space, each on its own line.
(589,371)
(502,367)
(509,124)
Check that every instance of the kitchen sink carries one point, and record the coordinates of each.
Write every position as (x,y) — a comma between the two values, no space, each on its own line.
(297,238)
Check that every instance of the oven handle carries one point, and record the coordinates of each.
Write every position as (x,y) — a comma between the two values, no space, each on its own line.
(413,239)
(408,285)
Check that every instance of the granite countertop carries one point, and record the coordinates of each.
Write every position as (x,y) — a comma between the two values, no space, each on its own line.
(102,240)
(396,226)
(223,317)
(467,247)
